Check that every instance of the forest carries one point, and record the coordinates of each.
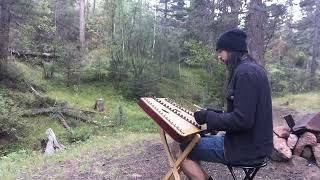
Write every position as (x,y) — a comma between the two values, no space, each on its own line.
(59,58)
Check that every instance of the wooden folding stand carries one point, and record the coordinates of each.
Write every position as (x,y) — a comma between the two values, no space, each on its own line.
(175,164)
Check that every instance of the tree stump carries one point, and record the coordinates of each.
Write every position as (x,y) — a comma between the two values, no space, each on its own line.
(53,144)
(99,105)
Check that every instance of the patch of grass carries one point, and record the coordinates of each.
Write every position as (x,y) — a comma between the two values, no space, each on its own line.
(86,95)
(309,102)
(24,162)
(30,74)
(134,119)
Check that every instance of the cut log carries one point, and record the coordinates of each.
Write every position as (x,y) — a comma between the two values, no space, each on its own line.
(99,105)
(53,144)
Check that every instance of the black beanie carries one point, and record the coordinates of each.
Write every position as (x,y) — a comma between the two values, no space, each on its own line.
(232,40)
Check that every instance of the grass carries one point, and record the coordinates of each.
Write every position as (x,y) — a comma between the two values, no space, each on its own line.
(309,102)
(23,161)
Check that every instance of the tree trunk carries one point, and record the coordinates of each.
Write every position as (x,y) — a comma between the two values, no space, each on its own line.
(315,48)
(82,40)
(255,20)
(53,144)
(94,8)
(82,25)
(4,37)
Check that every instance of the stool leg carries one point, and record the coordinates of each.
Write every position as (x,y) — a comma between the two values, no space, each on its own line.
(254,173)
(232,173)
(248,172)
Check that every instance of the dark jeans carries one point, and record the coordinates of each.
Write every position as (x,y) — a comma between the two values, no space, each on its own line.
(209,148)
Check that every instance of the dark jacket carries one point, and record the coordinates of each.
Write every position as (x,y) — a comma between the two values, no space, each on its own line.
(248,121)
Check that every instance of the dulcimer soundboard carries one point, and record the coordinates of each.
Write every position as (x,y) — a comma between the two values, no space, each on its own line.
(174,119)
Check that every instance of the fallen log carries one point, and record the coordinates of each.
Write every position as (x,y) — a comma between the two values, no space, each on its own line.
(24,54)
(43,99)
(66,111)
(40,111)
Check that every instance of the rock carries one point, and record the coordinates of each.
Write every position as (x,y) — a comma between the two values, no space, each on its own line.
(316,153)
(298,161)
(305,139)
(292,141)
(307,152)
(282,131)
(281,151)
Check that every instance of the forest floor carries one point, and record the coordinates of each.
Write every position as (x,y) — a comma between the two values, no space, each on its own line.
(146,159)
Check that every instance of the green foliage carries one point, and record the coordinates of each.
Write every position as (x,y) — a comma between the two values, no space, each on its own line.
(286,78)
(79,135)
(119,117)
(142,85)
(301,59)
(202,55)
(199,53)
(98,63)
(10,122)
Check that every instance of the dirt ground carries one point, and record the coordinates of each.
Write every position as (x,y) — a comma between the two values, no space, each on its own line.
(147,160)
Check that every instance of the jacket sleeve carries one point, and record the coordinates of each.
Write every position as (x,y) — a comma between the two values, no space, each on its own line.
(243,115)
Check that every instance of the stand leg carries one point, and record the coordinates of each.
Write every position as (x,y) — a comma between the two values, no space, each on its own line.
(175,165)
(169,155)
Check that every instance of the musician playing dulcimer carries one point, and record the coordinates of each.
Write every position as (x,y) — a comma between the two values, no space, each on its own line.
(248,120)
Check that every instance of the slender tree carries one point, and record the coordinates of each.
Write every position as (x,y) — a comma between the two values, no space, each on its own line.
(4,35)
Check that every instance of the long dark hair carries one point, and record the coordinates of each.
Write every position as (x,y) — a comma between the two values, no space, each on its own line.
(235,58)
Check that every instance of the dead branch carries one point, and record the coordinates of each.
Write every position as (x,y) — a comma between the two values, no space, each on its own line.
(59,115)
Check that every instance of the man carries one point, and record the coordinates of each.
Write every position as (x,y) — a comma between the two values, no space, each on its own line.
(248,120)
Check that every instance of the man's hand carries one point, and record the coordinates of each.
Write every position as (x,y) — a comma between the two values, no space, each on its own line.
(200,116)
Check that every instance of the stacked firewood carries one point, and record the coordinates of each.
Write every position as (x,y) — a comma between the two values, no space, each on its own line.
(301,139)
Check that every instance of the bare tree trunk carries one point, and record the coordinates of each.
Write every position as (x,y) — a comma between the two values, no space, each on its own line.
(154,33)
(87,9)
(255,20)
(82,25)
(94,8)
(82,40)
(315,48)
(4,36)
